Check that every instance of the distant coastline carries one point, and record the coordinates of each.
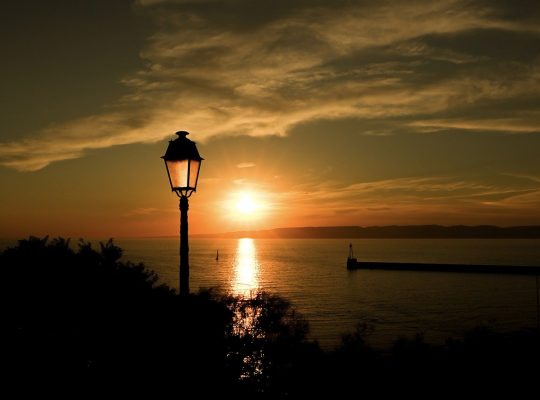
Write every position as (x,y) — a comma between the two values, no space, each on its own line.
(388,232)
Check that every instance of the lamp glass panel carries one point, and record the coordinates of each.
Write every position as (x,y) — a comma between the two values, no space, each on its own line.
(178,173)
(193,173)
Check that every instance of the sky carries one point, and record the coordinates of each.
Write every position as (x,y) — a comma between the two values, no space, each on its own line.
(308,113)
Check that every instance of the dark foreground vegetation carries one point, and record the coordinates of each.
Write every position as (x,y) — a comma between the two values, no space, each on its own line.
(84,322)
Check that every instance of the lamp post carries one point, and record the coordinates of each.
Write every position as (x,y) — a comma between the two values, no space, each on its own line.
(183,162)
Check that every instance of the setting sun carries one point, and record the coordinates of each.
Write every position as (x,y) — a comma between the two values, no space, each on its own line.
(246,208)
(246,205)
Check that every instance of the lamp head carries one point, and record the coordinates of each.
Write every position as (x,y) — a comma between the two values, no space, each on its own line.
(183,163)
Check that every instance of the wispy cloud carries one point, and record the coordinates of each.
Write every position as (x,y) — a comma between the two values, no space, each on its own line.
(142,211)
(532,178)
(416,200)
(245,165)
(236,68)
(509,125)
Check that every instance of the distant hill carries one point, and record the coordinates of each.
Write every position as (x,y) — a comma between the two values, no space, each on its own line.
(391,232)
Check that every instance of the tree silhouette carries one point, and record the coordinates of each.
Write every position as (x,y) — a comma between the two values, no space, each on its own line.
(86,316)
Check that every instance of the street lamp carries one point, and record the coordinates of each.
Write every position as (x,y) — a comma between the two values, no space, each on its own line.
(183,162)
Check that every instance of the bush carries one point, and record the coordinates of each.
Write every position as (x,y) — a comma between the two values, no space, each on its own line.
(84,316)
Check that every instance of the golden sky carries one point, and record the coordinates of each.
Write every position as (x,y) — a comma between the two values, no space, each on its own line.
(321,112)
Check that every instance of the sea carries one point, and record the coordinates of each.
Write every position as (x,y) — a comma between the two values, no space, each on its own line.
(385,305)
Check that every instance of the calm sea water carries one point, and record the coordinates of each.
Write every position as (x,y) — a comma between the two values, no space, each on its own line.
(312,274)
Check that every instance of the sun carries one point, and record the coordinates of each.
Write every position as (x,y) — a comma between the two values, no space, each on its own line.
(246,205)
(246,208)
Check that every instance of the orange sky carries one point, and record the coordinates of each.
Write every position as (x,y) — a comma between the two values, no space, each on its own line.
(325,112)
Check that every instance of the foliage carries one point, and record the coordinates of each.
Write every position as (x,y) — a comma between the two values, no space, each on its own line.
(269,344)
(84,315)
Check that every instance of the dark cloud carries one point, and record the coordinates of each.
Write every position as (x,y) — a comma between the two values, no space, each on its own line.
(511,10)
(489,45)
(243,15)
(252,68)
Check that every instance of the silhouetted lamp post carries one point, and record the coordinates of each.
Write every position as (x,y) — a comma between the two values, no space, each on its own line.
(183,163)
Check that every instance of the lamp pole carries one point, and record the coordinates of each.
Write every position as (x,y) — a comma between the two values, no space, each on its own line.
(183,163)
(184,246)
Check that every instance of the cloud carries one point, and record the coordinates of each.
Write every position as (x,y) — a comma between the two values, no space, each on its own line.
(246,165)
(501,124)
(411,191)
(525,177)
(414,200)
(236,68)
(142,211)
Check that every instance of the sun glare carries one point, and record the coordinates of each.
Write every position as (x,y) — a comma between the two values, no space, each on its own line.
(246,205)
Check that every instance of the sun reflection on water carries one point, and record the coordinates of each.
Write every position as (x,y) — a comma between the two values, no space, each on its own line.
(246,268)
(246,309)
